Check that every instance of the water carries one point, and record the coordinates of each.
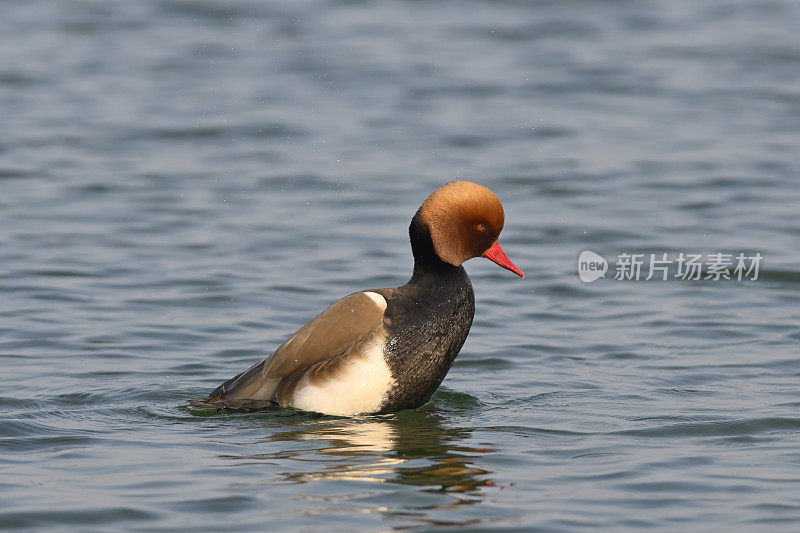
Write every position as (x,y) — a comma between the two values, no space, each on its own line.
(184,183)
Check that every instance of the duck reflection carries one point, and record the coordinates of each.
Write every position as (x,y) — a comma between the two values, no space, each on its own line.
(412,448)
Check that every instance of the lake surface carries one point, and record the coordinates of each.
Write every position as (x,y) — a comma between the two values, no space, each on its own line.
(184,183)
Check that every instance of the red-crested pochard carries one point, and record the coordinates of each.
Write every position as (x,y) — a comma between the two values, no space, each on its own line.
(382,350)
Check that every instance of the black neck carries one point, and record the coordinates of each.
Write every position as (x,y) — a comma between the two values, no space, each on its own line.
(427,263)
(428,320)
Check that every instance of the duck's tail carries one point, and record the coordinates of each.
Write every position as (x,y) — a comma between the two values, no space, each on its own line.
(245,391)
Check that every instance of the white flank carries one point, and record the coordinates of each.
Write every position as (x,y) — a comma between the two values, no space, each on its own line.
(358,389)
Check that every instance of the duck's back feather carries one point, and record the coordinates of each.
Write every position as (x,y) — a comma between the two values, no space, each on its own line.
(338,329)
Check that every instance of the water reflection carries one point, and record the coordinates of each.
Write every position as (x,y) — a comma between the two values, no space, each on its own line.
(414,467)
(411,448)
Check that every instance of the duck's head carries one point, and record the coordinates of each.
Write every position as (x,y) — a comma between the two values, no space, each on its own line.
(465,219)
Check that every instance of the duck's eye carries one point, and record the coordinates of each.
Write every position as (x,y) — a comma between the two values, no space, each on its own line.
(481,227)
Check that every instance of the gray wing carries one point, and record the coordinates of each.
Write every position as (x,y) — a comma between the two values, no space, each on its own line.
(338,328)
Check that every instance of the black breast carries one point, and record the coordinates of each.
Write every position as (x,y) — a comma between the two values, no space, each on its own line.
(427,321)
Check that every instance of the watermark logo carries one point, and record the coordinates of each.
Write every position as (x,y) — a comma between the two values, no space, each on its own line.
(591,266)
(684,266)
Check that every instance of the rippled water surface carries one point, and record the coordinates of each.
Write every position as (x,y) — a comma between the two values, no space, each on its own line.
(183,183)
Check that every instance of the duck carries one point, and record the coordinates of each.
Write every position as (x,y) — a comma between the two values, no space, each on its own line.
(379,351)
